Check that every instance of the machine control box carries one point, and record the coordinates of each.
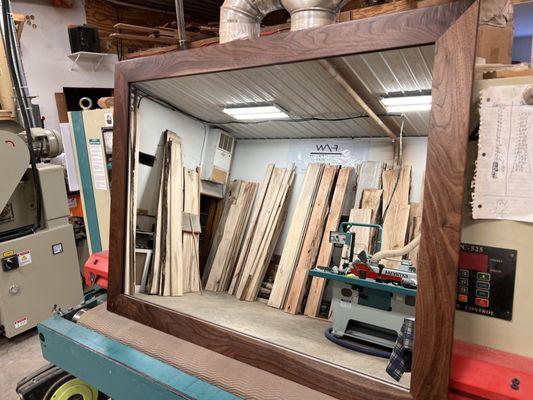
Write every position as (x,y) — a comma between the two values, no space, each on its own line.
(10,263)
(485,281)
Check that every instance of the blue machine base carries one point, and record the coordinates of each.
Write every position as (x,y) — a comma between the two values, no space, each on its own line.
(117,370)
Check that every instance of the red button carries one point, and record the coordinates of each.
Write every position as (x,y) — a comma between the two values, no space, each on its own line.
(482,302)
(463,298)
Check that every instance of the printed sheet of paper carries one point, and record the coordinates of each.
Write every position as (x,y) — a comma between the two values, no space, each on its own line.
(503,183)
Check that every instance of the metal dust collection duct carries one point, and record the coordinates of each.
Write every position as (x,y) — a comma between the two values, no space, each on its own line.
(241,19)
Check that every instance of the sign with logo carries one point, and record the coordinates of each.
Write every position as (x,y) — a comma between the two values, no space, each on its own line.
(346,152)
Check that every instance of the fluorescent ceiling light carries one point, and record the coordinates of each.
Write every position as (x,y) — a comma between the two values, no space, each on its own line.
(407,103)
(256,113)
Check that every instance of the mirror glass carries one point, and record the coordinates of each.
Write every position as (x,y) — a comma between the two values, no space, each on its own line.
(278,202)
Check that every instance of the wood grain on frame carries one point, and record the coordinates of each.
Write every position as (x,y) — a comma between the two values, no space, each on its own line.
(453,71)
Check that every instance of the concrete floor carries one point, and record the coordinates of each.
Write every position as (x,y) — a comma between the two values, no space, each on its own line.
(295,332)
(19,357)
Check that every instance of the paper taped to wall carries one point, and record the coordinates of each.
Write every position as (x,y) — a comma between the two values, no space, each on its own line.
(503,182)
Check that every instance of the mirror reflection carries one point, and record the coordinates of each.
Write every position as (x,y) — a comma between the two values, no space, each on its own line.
(285,203)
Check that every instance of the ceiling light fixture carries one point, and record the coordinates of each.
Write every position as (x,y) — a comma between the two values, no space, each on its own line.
(256,113)
(406,103)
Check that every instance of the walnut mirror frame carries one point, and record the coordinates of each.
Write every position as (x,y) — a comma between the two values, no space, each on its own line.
(453,28)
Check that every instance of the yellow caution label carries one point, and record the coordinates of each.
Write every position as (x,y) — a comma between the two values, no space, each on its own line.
(8,253)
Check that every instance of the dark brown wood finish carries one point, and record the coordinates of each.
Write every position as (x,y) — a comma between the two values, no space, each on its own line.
(453,74)
(453,28)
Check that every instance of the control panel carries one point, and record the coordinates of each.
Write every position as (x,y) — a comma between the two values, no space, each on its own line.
(485,280)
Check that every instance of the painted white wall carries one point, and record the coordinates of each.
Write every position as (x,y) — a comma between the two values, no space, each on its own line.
(251,157)
(153,120)
(44,55)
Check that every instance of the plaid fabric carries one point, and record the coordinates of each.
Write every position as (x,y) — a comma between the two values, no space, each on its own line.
(400,359)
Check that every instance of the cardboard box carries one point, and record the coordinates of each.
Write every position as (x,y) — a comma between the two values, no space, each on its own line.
(495,44)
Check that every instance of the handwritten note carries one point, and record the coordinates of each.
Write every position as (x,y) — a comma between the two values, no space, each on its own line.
(503,183)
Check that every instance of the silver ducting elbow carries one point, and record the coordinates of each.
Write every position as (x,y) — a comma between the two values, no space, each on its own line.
(241,19)
(312,13)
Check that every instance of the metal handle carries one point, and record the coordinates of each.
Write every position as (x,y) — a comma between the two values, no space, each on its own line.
(345,227)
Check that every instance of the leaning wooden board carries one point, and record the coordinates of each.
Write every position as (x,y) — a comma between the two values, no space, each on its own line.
(167,268)
(191,206)
(226,252)
(369,178)
(396,187)
(250,231)
(371,200)
(294,242)
(266,234)
(311,244)
(342,189)
(175,208)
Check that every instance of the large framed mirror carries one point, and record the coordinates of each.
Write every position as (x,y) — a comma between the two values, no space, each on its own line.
(240,169)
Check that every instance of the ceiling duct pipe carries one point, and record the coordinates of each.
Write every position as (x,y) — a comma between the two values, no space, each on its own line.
(312,13)
(241,19)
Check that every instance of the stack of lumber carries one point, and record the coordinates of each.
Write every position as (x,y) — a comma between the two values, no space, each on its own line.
(367,209)
(340,194)
(295,237)
(263,233)
(359,11)
(396,209)
(161,34)
(175,263)
(313,236)
(229,236)
(191,238)
(167,267)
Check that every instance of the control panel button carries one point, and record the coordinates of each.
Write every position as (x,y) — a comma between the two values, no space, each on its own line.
(464,273)
(463,298)
(483,285)
(463,290)
(482,293)
(483,276)
(463,281)
(482,302)
(10,263)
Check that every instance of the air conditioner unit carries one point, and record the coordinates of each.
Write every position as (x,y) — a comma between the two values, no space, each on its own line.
(217,156)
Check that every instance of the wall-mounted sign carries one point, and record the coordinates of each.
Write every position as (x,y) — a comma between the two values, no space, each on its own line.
(348,152)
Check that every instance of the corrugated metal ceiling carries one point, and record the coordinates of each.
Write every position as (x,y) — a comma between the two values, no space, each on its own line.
(307,92)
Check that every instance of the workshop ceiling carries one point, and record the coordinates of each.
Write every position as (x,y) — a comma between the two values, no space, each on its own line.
(308,93)
(205,10)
